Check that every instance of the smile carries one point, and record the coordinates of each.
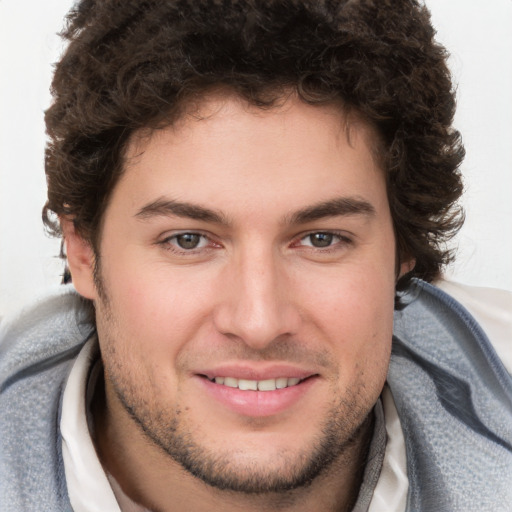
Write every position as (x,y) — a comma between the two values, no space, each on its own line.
(257,385)
(261,397)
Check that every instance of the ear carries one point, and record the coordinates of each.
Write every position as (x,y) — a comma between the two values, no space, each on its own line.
(80,256)
(406,266)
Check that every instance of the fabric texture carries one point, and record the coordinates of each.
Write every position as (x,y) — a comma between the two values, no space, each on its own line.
(452,394)
(454,400)
(37,351)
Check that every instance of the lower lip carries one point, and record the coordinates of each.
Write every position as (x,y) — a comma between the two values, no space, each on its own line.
(258,403)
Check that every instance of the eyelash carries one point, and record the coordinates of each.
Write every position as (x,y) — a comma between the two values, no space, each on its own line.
(342,240)
(168,245)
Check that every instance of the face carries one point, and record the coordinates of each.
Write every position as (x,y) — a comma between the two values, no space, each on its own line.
(247,283)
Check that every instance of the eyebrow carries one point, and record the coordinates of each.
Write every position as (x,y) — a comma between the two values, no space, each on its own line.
(341,206)
(168,207)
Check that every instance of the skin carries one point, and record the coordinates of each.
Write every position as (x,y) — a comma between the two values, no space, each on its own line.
(295,266)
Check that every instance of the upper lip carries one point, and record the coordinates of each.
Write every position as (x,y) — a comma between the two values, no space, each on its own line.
(250,371)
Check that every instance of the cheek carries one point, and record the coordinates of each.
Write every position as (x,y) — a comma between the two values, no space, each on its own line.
(155,312)
(352,299)
(355,313)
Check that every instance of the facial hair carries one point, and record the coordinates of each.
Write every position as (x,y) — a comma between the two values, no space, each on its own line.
(345,428)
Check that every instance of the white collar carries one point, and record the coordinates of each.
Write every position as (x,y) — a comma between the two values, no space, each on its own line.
(90,489)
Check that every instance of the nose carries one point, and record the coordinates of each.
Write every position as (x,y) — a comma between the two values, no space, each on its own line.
(256,305)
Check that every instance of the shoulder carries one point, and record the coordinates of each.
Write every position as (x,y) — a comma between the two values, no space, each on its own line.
(449,317)
(453,396)
(37,349)
(42,332)
(492,309)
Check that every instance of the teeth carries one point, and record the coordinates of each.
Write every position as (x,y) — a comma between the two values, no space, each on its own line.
(230,382)
(267,385)
(257,385)
(247,384)
(281,383)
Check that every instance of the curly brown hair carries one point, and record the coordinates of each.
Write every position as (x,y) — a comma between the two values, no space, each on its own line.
(133,64)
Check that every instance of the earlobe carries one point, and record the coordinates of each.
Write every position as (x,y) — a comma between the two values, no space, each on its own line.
(80,256)
(406,267)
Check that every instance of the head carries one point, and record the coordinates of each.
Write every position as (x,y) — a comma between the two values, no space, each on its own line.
(139,66)
(249,184)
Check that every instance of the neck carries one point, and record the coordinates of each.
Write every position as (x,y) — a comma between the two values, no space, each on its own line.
(151,478)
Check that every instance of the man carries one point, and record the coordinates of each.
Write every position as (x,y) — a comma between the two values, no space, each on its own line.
(242,189)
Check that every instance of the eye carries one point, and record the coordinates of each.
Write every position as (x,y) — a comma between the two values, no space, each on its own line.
(321,239)
(187,241)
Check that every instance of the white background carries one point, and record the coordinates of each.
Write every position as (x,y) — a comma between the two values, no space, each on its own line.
(477,34)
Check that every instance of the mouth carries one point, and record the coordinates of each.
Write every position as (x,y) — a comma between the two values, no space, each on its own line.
(261,391)
(257,385)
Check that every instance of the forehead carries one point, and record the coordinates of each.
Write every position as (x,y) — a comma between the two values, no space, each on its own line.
(224,149)
(225,104)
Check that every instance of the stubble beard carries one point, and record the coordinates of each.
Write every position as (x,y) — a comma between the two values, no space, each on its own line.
(342,439)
